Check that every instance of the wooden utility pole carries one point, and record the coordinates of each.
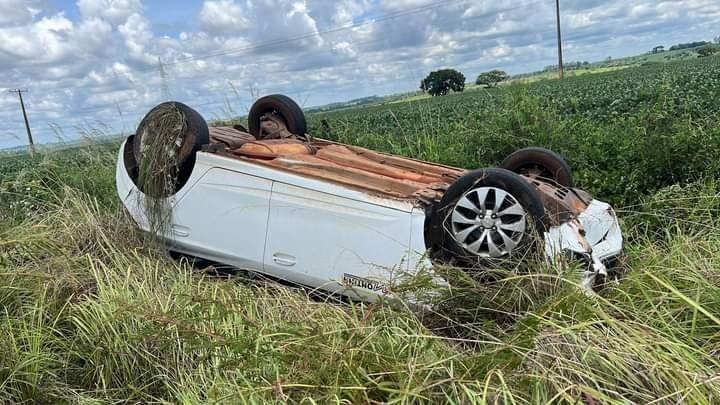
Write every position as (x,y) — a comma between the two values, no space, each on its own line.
(559,38)
(27,124)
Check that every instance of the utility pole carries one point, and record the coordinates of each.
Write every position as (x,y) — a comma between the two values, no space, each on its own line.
(27,124)
(559,38)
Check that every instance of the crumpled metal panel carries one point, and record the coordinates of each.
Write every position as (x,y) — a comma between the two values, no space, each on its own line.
(595,234)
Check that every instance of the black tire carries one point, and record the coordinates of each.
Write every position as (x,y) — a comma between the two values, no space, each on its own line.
(196,135)
(282,105)
(440,241)
(546,163)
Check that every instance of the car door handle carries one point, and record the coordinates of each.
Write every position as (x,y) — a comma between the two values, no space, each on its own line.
(284,260)
(181,231)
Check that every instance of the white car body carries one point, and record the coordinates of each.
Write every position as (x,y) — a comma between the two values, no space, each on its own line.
(319,233)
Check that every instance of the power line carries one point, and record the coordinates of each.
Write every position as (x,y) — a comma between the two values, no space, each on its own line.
(310,34)
(264,62)
(279,60)
(259,63)
(256,62)
(31,144)
(386,17)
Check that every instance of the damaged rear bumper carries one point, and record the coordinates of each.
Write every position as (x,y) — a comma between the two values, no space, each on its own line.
(594,235)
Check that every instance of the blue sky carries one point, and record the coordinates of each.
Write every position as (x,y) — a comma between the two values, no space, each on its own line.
(91,66)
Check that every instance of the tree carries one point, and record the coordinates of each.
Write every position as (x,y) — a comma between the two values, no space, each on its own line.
(688,45)
(658,49)
(491,78)
(717,39)
(707,50)
(440,82)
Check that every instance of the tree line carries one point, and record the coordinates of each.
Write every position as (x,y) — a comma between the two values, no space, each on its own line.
(705,48)
(442,82)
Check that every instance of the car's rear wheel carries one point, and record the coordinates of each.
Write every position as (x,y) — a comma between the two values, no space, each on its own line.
(539,162)
(165,145)
(487,214)
(282,106)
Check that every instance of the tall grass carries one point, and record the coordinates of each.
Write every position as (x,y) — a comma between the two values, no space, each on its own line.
(91,313)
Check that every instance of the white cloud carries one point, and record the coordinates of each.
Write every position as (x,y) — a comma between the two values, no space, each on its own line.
(53,39)
(138,38)
(17,12)
(344,48)
(261,22)
(92,34)
(113,11)
(500,51)
(106,58)
(223,17)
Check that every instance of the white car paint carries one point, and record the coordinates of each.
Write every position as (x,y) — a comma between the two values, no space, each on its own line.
(318,233)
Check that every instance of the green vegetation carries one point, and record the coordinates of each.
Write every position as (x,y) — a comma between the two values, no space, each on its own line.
(626,133)
(689,45)
(708,50)
(89,312)
(656,56)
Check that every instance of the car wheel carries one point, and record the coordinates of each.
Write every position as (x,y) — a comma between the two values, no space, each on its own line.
(539,162)
(487,214)
(165,145)
(285,107)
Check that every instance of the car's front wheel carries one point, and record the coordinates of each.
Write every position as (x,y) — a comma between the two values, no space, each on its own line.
(485,215)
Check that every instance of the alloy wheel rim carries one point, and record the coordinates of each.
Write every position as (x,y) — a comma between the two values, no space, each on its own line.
(488,222)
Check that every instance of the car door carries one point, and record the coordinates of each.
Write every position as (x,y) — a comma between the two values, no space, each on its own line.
(223,217)
(318,238)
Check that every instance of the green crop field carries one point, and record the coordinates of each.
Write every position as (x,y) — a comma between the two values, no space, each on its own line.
(626,133)
(90,312)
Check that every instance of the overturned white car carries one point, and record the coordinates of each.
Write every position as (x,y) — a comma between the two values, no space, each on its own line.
(342,218)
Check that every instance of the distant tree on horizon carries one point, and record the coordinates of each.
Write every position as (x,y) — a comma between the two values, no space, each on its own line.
(689,45)
(707,50)
(441,82)
(492,78)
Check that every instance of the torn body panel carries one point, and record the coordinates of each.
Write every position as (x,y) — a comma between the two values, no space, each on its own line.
(594,234)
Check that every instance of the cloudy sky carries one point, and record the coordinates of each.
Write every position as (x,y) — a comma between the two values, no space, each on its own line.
(92,66)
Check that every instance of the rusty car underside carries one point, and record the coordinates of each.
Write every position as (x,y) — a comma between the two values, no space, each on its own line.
(379,174)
